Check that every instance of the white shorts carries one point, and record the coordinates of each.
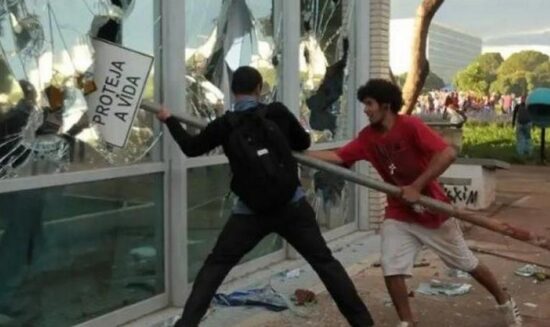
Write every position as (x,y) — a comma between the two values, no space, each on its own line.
(402,241)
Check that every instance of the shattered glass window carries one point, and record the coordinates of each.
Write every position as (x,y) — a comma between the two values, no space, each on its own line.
(46,65)
(324,64)
(222,35)
(332,198)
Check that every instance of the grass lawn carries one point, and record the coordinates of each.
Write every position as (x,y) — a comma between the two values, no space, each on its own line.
(498,141)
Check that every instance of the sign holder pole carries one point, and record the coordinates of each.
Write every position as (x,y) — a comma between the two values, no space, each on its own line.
(392,190)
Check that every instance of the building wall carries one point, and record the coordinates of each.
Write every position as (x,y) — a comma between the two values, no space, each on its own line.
(448,50)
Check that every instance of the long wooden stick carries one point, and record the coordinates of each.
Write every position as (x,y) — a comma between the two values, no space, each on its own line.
(392,190)
(508,256)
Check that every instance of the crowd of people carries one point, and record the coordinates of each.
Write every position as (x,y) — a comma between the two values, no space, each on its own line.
(439,101)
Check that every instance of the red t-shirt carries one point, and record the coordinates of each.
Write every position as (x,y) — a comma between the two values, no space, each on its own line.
(400,156)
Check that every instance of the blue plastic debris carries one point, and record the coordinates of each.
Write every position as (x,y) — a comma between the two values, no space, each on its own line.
(265,297)
(436,287)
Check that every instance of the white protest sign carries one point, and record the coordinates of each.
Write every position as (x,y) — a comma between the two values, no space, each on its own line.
(120,75)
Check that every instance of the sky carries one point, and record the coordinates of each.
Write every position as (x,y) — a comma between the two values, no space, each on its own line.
(496,22)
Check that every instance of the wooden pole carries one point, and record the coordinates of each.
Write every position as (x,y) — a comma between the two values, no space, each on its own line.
(392,190)
(508,256)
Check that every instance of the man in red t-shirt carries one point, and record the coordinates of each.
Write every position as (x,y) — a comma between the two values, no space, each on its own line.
(407,153)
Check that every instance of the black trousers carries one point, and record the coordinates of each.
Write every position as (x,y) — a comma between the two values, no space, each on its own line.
(296,223)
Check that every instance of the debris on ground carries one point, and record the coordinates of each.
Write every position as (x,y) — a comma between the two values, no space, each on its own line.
(527,270)
(289,274)
(541,276)
(295,273)
(265,297)
(457,273)
(533,271)
(303,297)
(436,287)
(530,305)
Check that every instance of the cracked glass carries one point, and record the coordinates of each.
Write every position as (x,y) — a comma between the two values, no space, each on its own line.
(46,69)
(332,198)
(324,63)
(220,37)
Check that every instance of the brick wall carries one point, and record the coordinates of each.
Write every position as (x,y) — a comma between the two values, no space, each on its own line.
(379,68)
(379,38)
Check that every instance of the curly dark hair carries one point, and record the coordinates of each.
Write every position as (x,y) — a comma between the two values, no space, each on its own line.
(383,91)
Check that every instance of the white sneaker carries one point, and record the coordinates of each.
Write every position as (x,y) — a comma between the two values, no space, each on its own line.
(511,313)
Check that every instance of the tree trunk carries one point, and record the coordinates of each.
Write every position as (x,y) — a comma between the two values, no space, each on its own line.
(419,64)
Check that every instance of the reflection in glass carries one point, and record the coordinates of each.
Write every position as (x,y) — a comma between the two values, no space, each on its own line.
(324,47)
(332,198)
(69,254)
(46,46)
(209,204)
(221,36)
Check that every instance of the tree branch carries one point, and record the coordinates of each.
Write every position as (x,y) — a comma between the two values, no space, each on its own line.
(419,63)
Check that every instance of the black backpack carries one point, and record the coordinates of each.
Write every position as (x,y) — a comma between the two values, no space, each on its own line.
(265,174)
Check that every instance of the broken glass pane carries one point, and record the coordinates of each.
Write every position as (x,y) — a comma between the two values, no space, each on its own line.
(332,198)
(220,37)
(46,70)
(324,47)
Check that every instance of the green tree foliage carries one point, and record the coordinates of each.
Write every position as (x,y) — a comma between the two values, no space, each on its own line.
(519,74)
(522,72)
(433,82)
(478,76)
(519,83)
(542,75)
(522,61)
(473,79)
(490,62)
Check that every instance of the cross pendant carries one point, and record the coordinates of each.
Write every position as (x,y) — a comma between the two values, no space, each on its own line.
(392,168)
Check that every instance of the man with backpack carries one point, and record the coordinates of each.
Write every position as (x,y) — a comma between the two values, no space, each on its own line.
(258,140)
